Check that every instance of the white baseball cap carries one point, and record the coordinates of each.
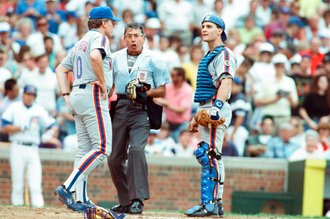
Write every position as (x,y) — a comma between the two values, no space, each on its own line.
(279,58)
(4,27)
(266,47)
(153,23)
(295,59)
(324,33)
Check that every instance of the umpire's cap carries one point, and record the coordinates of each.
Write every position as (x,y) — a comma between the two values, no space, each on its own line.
(30,89)
(102,13)
(218,21)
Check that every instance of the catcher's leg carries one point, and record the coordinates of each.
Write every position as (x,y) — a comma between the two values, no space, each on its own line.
(210,205)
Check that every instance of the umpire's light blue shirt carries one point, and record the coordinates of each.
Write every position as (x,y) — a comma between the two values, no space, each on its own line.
(156,70)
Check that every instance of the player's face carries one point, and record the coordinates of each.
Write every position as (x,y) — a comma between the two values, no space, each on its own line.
(108,26)
(28,99)
(210,32)
(134,40)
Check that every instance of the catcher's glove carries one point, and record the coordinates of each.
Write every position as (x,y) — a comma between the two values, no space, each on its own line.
(101,213)
(203,118)
(137,91)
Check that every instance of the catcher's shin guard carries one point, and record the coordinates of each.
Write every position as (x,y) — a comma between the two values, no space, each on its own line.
(209,175)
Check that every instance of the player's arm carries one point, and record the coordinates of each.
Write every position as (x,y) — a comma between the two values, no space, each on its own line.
(97,65)
(7,121)
(8,128)
(224,89)
(62,79)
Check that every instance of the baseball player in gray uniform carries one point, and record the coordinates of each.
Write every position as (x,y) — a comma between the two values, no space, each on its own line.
(90,62)
(214,79)
(130,121)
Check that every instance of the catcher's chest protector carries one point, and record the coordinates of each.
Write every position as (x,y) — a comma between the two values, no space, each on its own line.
(205,89)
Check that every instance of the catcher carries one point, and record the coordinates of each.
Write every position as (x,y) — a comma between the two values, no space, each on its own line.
(214,78)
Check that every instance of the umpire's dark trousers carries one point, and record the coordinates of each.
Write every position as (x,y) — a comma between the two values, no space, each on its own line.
(127,162)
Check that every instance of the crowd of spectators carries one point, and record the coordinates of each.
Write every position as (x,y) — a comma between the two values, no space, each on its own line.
(280,96)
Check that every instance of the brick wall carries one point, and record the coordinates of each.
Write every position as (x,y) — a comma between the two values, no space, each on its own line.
(174,183)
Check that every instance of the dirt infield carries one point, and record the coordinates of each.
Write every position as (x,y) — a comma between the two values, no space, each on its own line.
(10,212)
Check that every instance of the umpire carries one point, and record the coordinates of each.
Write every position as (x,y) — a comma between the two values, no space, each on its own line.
(127,162)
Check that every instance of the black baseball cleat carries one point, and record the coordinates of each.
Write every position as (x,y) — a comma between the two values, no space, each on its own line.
(208,210)
(136,207)
(120,209)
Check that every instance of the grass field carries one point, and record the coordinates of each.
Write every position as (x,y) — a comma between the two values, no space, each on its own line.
(11,212)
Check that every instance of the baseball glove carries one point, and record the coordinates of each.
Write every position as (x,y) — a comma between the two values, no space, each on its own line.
(203,118)
(101,213)
(137,91)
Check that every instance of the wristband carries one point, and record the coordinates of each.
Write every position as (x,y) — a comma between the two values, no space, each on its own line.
(218,104)
(65,94)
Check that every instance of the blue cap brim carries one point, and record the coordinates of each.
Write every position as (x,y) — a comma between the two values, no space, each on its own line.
(115,19)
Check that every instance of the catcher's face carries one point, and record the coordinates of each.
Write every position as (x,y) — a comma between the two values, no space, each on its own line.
(134,40)
(210,32)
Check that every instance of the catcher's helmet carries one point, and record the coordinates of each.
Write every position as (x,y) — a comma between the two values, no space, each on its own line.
(218,21)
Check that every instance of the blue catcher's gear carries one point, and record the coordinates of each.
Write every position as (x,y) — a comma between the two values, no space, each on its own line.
(211,209)
(218,21)
(205,89)
(209,175)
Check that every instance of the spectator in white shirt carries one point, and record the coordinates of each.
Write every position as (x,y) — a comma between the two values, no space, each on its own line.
(45,81)
(311,150)
(176,17)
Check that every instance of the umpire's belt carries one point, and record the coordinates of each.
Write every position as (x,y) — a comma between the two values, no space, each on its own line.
(26,143)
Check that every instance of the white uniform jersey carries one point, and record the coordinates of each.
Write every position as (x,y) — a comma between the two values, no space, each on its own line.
(34,118)
(78,60)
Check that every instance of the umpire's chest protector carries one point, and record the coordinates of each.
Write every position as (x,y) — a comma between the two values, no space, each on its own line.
(205,89)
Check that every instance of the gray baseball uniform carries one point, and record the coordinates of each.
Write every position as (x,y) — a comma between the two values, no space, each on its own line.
(90,110)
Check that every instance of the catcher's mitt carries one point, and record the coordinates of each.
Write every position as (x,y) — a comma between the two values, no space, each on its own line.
(137,91)
(101,213)
(203,118)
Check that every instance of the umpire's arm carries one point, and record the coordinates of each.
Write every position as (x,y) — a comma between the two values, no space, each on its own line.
(157,92)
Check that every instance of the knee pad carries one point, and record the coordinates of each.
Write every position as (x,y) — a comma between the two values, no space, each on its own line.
(209,174)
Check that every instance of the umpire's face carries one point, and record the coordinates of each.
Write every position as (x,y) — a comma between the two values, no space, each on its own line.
(210,31)
(134,40)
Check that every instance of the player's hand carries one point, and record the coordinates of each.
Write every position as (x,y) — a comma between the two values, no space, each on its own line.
(67,102)
(193,125)
(103,88)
